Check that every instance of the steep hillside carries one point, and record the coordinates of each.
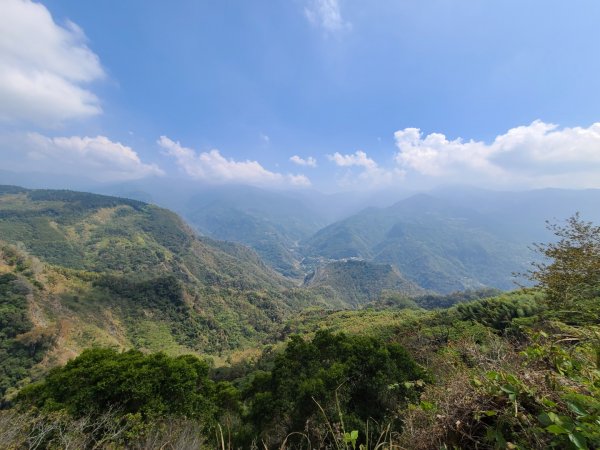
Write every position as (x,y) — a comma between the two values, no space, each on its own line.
(99,233)
(270,222)
(272,243)
(437,244)
(354,282)
(121,272)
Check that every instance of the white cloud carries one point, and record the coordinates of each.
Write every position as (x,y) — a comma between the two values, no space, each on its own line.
(265,138)
(535,155)
(44,67)
(97,158)
(358,158)
(371,175)
(299,180)
(211,166)
(327,15)
(310,161)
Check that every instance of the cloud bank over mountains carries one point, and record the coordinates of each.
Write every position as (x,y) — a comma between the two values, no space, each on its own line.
(213,167)
(535,155)
(97,158)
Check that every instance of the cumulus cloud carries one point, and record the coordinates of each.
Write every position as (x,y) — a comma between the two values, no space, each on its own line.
(213,167)
(535,155)
(44,67)
(310,161)
(358,158)
(326,14)
(370,174)
(97,158)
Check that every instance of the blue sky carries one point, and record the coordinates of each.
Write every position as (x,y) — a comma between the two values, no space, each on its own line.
(304,93)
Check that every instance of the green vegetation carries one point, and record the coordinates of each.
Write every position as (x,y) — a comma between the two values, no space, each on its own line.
(352,282)
(21,343)
(123,273)
(471,377)
(433,301)
(361,378)
(99,233)
(436,245)
(331,377)
(498,313)
(131,382)
(573,272)
(130,282)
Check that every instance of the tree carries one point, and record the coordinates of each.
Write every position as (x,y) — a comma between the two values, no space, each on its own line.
(571,269)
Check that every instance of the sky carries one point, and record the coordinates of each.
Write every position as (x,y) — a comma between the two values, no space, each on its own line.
(333,95)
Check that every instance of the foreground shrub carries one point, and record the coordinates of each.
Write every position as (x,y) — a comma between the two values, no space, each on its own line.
(131,382)
(345,379)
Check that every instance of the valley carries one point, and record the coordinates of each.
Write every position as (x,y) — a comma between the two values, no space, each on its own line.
(93,276)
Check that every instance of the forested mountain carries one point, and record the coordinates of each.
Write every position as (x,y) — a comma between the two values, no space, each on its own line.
(449,239)
(99,233)
(436,244)
(120,272)
(454,239)
(354,283)
(80,271)
(270,222)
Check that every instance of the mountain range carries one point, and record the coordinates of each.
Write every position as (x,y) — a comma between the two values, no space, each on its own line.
(444,240)
(80,269)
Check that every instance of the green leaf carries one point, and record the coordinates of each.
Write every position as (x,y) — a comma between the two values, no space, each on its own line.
(554,417)
(549,403)
(427,406)
(556,429)
(544,419)
(509,389)
(578,440)
(576,409)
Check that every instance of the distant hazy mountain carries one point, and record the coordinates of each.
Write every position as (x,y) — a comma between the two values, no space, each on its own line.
(520,215)
(272,223)
(453,239)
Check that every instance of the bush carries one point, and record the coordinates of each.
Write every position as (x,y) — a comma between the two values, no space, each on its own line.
(103,379)
(354,377)
(498,312)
